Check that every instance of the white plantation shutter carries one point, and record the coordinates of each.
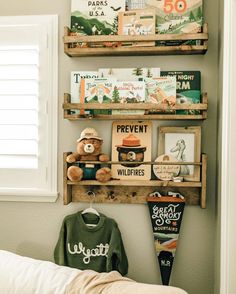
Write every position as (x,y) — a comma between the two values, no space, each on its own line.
(28,108)
(19,99)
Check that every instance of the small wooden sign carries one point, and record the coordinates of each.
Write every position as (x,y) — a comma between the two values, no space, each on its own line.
(131,142)
(166,172)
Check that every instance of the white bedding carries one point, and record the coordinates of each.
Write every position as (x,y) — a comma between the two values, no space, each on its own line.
(24,275)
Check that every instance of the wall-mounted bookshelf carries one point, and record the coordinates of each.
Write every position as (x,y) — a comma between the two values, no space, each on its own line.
(69,110)
(77,45)
(121,191)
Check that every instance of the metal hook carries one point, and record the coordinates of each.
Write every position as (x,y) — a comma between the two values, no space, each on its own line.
(173,194)
(92,195)
(155,194)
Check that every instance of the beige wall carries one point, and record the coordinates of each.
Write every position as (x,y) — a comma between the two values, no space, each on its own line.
(32,228)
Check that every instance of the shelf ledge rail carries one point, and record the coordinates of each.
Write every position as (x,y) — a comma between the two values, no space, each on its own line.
(121,191)
(202,107)
(112,44)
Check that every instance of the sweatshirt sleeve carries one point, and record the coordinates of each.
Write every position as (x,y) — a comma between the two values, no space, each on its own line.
(60,249)
(117,259)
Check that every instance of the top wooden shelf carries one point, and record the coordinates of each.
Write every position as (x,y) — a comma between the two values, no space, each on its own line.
(75,45)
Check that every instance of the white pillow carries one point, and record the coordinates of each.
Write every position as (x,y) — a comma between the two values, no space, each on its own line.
(24,275)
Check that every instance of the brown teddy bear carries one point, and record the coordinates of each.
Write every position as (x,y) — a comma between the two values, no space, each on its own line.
(89,148)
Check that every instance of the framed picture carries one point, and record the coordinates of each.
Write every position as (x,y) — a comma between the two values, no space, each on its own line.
(184,143)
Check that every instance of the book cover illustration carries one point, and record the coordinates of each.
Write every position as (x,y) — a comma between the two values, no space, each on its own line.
(188,88)
(177,16)
(128,92)
(75,82)
(95,17)
(166,213)
(131,143)
(129,74)
(97,91)
(136,22)
(161,91)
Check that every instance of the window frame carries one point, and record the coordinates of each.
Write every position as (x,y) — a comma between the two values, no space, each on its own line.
(48,193)
(227,156)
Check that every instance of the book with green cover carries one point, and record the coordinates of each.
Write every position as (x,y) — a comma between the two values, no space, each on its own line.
(95,17)
(188,88)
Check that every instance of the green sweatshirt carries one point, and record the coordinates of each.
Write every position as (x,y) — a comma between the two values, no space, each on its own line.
(99,248)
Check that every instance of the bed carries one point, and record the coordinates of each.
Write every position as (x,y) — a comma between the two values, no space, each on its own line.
(19,274)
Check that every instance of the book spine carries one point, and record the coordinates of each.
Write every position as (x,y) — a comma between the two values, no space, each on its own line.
(82,94)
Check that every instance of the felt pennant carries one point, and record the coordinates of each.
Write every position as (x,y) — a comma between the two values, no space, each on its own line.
(166,214)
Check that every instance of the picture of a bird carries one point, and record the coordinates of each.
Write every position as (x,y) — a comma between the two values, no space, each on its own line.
(115,9)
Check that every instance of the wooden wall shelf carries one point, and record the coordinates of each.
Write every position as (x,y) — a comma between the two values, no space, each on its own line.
(121,191)
(69,107)
(114,44)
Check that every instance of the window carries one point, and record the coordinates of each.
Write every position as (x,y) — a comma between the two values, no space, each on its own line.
(28,108)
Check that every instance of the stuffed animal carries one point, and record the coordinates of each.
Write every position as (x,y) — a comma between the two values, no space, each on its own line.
(89,148)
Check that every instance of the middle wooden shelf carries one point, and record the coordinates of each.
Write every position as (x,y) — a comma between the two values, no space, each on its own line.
(135,191)
(165,114)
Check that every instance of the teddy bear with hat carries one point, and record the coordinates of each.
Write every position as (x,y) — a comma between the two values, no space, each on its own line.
(89,148)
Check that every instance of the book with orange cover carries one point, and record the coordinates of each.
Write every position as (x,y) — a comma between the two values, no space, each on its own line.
(75,86)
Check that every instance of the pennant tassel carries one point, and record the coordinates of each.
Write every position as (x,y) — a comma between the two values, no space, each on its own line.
(166,214)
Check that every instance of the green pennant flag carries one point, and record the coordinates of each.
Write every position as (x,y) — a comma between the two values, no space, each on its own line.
(166,214)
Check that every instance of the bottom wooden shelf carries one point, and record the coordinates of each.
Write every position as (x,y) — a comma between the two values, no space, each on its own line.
(134,192)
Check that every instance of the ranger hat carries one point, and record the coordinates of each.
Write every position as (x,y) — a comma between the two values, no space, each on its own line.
(89,133)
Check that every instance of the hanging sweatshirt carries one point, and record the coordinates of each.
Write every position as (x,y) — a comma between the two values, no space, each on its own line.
(98,247)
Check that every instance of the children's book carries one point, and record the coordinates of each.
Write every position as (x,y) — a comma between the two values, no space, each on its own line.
(75,81)
(129,74)
(188,88)
(162,91)
(97,91)
(136,22)
(177,17)
(131,145)
(90,17)
(128,92)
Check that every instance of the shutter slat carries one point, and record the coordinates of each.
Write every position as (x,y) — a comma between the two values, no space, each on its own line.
(14,161)
(18,117)
(16,87)
(19,56)
(23,102)
(18,147)
(13,71)
(18,132)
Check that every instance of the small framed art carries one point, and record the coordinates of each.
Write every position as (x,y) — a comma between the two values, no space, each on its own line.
(184,143)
